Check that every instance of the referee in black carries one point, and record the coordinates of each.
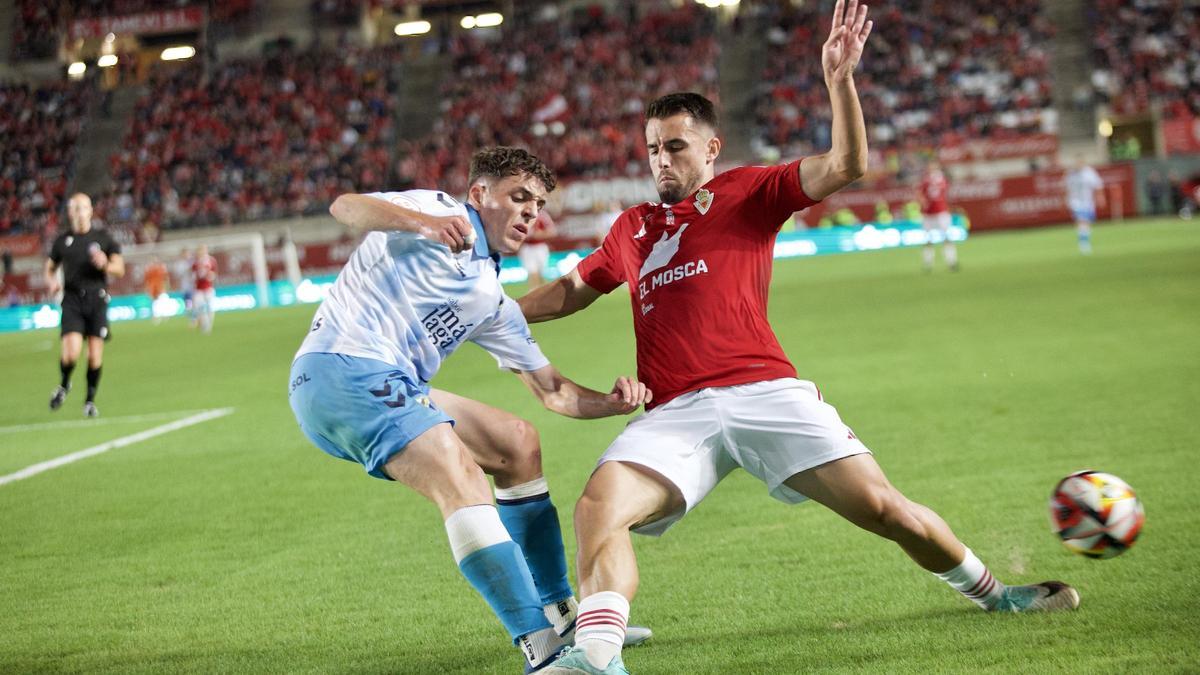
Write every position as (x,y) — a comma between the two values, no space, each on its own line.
(87,258)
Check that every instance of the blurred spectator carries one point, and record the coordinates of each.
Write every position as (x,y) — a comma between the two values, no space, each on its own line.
(268,138)
(1147,51)
(1156,191)
(39,128)
(937,73)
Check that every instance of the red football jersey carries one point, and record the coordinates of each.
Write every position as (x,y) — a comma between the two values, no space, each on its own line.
(933,191)
(698,274)
(205,271)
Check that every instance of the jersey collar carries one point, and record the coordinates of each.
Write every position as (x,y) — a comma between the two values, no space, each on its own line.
(481,245)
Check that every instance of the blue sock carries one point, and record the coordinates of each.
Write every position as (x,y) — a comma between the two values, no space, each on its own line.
(532,522)
(501,576)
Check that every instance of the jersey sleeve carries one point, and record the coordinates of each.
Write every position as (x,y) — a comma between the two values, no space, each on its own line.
(506,336)
(775,191)
(602,268)
(56,251)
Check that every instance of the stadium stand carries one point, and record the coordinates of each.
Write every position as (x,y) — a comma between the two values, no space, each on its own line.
(38,25)
(39,128)
(992,58)
(572,90)
(263,138)
(1146,52)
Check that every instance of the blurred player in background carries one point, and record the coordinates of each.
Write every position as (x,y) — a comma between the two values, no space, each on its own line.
(932,194)
(204,271)
(87,257)
(1085,190)
(535,252)
(182,268)
(698,268)
(424,281)
(155,278)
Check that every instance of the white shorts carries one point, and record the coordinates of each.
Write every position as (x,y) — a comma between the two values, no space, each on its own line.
(937,221)
(534,258)
(773,429)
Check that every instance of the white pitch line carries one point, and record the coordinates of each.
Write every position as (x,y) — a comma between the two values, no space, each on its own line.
(66,424)
(112,445)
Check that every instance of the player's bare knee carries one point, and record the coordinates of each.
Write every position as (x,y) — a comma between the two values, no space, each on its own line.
(527,448)
(899,518)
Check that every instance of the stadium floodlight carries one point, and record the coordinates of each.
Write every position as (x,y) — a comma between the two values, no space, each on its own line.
(178,53)
(489,20)
(77,69)
(730,3)
(467,22)
(107,61)
(407,28)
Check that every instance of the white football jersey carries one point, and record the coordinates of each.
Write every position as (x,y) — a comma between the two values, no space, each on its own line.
(1081,186)
(409,301)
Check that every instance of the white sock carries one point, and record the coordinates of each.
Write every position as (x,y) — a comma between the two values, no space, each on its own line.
(950,253)
(927,256)
(972,579)
(562,616)
(540,646)
(472,528)
(600,626)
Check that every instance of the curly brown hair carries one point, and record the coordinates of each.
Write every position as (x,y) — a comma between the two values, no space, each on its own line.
(503,161)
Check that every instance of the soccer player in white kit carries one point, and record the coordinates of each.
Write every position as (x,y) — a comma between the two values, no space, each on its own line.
(423,282)
(698,269)
(1084,189)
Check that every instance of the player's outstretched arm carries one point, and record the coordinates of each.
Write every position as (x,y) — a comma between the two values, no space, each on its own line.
(846,161)
(563,396)
(563,296)
(115,266)
(366,213)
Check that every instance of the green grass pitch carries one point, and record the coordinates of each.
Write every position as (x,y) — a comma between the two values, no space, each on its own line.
(235,546)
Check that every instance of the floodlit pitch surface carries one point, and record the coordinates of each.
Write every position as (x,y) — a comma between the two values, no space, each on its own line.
(233,545)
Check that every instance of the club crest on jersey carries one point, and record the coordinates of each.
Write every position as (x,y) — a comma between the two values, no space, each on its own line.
(704,200)
(69,241)
(670,218)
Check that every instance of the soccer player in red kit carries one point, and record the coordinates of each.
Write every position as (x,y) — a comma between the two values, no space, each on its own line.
(698,268)
(204,270)
(932,193)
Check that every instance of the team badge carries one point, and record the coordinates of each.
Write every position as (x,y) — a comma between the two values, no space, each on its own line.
(704,200)
(670,218)
(69,241)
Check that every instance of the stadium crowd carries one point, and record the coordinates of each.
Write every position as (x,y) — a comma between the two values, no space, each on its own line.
(1146,51)
(573,90)
(992,56)
(263,138)
(39,24)
(39,129)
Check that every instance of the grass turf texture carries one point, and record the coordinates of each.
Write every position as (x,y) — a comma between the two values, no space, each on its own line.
(235,546)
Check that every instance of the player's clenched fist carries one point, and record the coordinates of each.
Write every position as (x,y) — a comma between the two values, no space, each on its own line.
(628,395)
(453,231)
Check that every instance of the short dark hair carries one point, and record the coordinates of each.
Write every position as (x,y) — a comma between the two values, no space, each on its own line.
(701,109)
(502,161)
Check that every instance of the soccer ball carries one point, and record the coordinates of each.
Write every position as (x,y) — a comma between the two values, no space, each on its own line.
(1096,514)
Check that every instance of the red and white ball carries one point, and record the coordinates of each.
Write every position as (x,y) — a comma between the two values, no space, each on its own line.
(1096,514)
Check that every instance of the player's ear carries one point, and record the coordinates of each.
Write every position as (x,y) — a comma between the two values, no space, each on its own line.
(713,150)
(477,192)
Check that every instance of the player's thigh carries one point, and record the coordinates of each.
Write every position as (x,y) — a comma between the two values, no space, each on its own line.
(496,438)
(854,487)
(625,496)
(437,465)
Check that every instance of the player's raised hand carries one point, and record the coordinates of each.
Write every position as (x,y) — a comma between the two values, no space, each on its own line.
(847,36)
(628,394)
(453,231)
